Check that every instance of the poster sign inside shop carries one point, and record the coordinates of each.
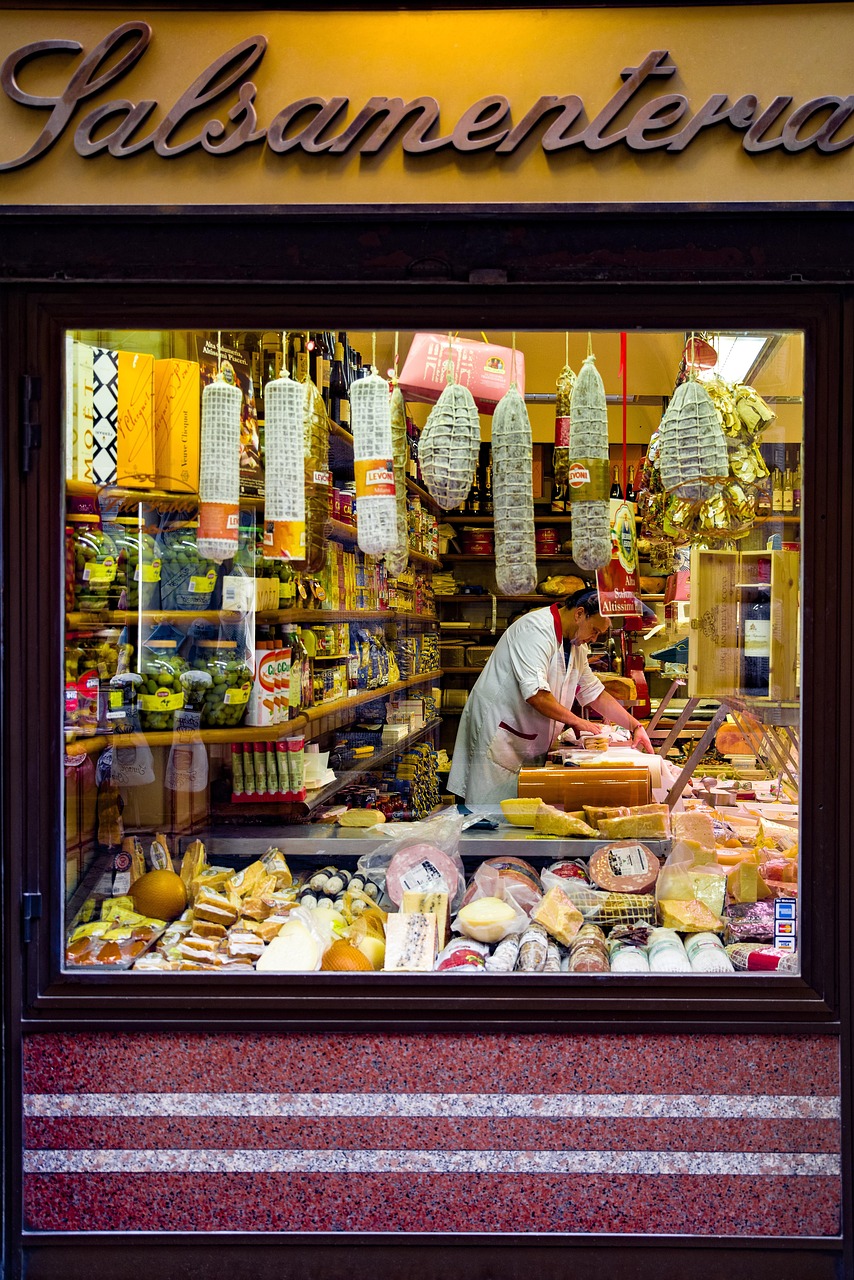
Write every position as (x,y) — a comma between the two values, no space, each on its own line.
(120,92)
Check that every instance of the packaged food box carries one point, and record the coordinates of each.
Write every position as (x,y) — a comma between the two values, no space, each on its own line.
(487,370)
(177,428)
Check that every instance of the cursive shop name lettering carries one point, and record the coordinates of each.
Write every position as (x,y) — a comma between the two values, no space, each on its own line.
(317,125)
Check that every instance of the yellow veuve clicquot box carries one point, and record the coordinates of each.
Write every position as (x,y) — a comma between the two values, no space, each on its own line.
(135,420)
(177,425)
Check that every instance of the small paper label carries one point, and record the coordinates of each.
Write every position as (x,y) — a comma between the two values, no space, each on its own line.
(629,861)
(423,877)
(321,477)
(233,697)
(162,700)
(374,478)
(578,475)
(100,571)
(562,426)
(202,586)
(147,572)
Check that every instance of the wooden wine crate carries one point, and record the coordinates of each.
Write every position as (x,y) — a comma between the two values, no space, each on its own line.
(722,583)
(714,657)
(784,587)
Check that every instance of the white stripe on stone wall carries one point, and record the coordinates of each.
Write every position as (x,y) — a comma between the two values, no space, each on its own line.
(439,1105)
(636,1163)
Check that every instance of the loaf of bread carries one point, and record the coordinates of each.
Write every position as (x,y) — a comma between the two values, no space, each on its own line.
(621,687)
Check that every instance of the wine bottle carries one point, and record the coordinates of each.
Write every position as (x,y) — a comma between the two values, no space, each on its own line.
(488,505)
(339,395)
(630,487)
(788,492)
(756,664)
(777,491)
(616,487)
(796,490)
(474,499)
(297,356)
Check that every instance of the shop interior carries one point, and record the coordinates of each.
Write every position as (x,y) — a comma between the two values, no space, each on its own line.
(289,559)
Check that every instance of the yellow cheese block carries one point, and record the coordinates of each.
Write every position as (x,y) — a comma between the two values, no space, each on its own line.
(688,917)
(558,915)
(361,818)
(643,826)
(695,825)
(744,883)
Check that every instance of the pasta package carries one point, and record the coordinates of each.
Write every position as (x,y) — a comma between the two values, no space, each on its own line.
(588,470)
(512,488)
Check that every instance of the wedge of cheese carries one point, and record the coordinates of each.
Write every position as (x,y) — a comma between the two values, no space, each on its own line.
(744,883)
(558,915)
(410,942)
(435,904)
(549,821)
(695,825)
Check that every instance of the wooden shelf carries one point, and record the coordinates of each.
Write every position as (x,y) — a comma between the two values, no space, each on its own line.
(777,518)
(486,597)
(368,764)
(122,496)
(267,733)
(457,557)
(420,558)
(305,617)
(462,671)
(426,497)
(451,517)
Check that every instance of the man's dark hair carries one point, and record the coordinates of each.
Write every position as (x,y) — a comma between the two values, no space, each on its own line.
(587,599)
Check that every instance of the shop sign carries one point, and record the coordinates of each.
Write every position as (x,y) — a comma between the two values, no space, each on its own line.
(619,583)
(108,98)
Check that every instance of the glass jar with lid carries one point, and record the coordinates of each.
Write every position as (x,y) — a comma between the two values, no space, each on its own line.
(95,559)
(226,700)
(138,564)
(104,654)
(187,579)
(161,666)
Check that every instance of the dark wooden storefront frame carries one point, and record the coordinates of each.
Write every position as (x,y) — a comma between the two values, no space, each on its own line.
(496,268)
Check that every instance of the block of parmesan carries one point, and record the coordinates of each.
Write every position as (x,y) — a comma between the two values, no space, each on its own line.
(642,825)
(695,825)
(549,821)
(410,942)
(435,904)
(688,916)
(558,915)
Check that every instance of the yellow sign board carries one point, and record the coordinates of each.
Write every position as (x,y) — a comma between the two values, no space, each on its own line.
(560,107)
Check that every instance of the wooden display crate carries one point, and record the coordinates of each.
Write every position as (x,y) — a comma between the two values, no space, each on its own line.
(714,657)
(721,586)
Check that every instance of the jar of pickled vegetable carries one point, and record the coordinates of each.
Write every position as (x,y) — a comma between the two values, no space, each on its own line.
(187,579)
(103,657)
(138,564)
(226,700)
(161,693)
(73,654)
(95,563)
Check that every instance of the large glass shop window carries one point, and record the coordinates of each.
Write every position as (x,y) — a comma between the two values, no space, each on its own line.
(396,652)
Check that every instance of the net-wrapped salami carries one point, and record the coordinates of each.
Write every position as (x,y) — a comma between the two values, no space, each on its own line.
(512,488)
(219,471)
(588,470)
(693,452)
(398,557)
(376,511)
(284,482)
(449,445)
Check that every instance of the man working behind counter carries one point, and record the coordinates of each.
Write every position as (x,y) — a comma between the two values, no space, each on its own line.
(524,696)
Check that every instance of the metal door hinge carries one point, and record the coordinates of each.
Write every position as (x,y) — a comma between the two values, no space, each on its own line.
(31,910)
(31,427)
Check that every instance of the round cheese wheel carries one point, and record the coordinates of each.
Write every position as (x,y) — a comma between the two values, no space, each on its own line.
(626,866)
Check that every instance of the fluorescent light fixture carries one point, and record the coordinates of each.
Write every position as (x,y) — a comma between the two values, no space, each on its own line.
(737,354)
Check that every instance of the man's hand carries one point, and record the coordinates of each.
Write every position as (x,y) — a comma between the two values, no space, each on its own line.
(640,740)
